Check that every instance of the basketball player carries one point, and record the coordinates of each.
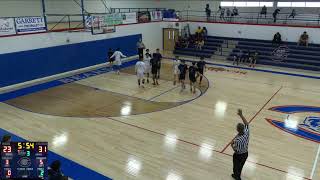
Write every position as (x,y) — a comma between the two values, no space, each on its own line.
(193,74)
(182,74)
(147,59)
(118,61)
(140,69)
(154,70)
(175,68)
(158,57)
(111,60)
(201,68)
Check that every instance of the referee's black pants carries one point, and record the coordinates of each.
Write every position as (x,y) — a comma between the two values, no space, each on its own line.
(238,162)
(140,53)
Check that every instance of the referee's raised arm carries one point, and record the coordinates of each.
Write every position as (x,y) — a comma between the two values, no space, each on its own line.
(244,120)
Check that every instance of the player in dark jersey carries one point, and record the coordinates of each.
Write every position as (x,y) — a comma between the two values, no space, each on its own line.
(193,74)
(182,74)
(157,56)
(111,60)
(201,68)
(154,70)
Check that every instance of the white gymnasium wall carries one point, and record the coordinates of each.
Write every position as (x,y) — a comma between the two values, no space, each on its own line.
(151,33)
(290,34)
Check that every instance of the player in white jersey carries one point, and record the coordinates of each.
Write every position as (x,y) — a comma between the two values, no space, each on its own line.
(117,55)
(146,61)
(175,69)
(140,70)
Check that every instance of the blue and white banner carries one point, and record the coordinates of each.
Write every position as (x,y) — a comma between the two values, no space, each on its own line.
(7,26)
(30,24)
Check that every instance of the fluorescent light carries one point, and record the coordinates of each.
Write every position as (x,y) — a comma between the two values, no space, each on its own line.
(284,4)
(298,4)
(267,4)
(226,3)
(253,4)
(240,3)
(312,4)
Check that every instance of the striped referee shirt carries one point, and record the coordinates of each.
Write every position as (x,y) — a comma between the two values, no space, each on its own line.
(241,142)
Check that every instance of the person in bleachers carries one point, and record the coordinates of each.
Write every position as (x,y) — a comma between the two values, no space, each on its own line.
(200,43)
(204,33)
(228,13)
(293,14)
(199,32)
(235,12)
(253,59)
(275,14)
(208,12)
(54,171)
(263,11)
(221,10)
(237,57)
(277,39)
(304,39)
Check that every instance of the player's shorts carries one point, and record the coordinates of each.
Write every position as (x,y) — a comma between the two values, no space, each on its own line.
(182,77)
(176,71)
(154,70)
(140,75)
(201,71)
(192,79)
(111,60)
(148,69)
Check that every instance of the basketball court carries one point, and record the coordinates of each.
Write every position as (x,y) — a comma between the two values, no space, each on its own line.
(109,125)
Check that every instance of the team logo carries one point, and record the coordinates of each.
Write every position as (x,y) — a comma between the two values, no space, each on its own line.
(280,54)
(309,128)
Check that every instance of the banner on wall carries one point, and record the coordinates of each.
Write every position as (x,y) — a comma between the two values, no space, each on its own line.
(143,16)
(7,26)
(129,18)
(113,19)
(156,15)
(30,24)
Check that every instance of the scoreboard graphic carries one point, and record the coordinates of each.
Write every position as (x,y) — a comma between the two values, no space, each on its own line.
(24,160)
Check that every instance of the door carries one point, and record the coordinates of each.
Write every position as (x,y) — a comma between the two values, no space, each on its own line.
(170,37)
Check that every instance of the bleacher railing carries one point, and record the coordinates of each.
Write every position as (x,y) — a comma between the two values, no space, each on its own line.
(71,22)
(252,18)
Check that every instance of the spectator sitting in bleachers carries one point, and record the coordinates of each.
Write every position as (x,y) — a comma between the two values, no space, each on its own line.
(54,171)
(253,59)
(237,57)
(200,43)
(277,39)
(235,12)
(304,39)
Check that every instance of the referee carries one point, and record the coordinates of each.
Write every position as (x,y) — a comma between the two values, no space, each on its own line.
(240,147)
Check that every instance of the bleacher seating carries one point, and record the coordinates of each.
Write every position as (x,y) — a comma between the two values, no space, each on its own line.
(299,57)
(210,46)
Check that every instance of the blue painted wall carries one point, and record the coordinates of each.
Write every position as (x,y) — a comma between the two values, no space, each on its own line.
(29,65)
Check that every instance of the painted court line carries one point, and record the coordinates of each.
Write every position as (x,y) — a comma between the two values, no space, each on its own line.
(254,116)
(197,145)
(315,163)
